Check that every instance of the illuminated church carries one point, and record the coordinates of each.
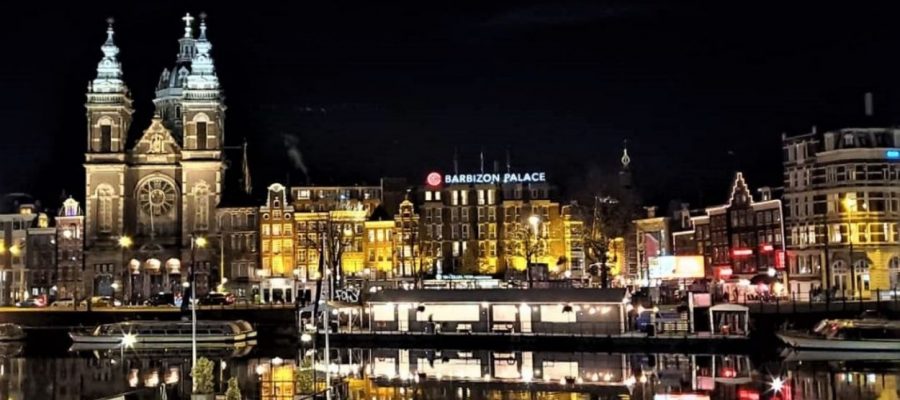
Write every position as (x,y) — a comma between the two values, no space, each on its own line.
(150,190)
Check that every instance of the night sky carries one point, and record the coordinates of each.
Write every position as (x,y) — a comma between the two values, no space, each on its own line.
(371,89)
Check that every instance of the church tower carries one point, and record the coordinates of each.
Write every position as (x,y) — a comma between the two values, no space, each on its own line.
(108,119)
(203,115)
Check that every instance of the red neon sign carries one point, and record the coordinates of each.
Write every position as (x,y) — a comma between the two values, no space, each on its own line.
(779,259)
(434,179)
(741,252)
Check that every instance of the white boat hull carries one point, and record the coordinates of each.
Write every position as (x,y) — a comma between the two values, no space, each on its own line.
(167,333)
(801,341)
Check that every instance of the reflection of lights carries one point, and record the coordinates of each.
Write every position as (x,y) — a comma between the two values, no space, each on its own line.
(487,377)
(629,307)
(152,380)
(484,304)
(592,311)
(629,381)
(605,310)
(870,378)
(776,384)
(133,378)
(172,376)
(261,369)
(129,339)
(643,379)
(595,377)
(305,337)
(277,361)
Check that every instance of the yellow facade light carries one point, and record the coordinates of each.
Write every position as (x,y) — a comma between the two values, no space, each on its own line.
(125,242)
(200,241)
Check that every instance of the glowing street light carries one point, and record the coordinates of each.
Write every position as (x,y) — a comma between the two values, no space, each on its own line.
(129,339)
(125,242)
(776,384)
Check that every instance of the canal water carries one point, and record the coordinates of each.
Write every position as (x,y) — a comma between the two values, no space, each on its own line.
(37,370)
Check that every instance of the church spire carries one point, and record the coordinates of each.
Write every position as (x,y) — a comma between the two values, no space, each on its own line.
(202,83)
(109,69)
(625,158)
(186,43)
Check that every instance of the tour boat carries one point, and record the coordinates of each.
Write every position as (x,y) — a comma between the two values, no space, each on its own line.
(848,334)
(11,332)
(157,333)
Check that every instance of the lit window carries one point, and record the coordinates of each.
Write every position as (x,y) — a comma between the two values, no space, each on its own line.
(427,195)
(437,196)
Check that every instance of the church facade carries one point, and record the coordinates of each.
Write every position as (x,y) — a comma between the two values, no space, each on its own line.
(150,192)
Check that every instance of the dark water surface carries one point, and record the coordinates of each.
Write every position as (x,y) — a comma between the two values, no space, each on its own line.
(37,370)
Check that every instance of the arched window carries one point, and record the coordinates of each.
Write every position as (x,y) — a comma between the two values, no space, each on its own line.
(105,125)
(894,271)
(840,281)
(104,196)
(201,206)
(201,122)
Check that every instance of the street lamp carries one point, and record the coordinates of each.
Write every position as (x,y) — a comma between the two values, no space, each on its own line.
(196,242)
(125,243)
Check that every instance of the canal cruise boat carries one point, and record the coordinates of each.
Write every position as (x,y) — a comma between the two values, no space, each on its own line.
(166,333)
(865,334)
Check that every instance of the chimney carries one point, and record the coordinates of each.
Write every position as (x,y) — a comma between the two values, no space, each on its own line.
(870,104)
(651,211)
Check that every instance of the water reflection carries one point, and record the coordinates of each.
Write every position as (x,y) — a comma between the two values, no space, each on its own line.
(382,374)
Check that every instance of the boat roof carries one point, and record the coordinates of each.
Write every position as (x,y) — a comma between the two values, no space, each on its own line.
(577,295)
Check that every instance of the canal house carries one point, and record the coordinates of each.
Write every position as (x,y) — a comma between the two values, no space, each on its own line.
(589,312)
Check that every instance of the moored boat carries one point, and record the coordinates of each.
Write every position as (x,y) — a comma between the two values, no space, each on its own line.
(146,333)
(11,332)
(847,334)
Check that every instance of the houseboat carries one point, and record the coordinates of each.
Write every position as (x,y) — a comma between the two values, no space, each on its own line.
(847,335)
(165,333)
(584,312)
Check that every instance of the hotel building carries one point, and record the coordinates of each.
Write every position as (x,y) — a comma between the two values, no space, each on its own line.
(842,206)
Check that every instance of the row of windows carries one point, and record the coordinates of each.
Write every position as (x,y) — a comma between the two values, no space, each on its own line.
(836,174)
(276,229)
(380,235)
(337,194)
(742,218)
(833,203)
(842,233)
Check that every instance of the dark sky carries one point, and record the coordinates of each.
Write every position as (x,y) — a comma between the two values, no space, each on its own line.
(373,89)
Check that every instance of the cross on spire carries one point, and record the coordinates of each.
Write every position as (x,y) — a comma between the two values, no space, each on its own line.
(187,24)
(109,29)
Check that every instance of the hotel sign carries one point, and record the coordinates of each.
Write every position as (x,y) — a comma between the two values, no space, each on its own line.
(435,178)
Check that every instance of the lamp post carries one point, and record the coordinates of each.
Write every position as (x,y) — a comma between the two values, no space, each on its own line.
(196,242)
(125,243)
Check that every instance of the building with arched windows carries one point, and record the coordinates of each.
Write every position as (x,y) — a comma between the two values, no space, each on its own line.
(842,207)
(148,192)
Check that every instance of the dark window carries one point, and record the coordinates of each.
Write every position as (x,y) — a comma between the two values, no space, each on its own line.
(201,135)
(105,138)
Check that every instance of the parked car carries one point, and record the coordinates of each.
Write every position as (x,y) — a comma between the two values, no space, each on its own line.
(104,301)
(62,303)
(161,299)
(32,302)
(217,299)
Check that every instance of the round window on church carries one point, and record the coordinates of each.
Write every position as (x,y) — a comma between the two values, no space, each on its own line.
(157,197)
